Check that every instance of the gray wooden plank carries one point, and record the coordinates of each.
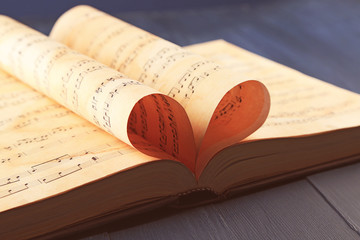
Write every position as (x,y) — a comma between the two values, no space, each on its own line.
(319,38)
(341,188)
(101,236)
(293,211)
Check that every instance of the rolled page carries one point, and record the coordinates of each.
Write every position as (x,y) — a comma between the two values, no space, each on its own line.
(222,107)
(133,112)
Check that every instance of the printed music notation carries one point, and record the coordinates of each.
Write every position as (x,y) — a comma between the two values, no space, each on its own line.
(141,55)
(107,91)
(227,107)
(166,118)
(198,72)
(18,183)
(144,42)
(159,136)
(294,99)
(72,79)
(111,32)
(28,110)
(89,88)
(164,59)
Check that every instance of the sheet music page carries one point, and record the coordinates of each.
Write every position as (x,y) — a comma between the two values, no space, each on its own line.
(136,114)
(222,106)
(300,104)
(46,149)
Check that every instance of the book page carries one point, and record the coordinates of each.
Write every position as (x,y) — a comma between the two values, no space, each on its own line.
(222,106)
(46,149)
(300,105)
(136,114)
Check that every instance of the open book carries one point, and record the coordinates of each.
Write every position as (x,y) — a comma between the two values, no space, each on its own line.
(140,122)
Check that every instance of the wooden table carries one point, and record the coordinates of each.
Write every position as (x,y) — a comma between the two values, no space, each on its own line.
(320,38)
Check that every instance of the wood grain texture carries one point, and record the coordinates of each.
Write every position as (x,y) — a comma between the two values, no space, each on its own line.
(293,211)
(101,236)
(341,189)
(319,38)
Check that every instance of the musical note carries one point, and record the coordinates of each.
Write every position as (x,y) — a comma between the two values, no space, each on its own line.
(46,143)
(14,190)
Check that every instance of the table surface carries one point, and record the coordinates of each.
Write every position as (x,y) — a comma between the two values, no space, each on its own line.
(320,38)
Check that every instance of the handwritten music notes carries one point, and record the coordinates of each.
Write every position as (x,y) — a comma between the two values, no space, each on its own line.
(300,105)
(222,108)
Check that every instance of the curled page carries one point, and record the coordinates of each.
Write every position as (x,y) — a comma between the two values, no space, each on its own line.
(138,115)
(222,108)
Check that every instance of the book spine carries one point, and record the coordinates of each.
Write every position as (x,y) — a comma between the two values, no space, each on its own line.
(196,197)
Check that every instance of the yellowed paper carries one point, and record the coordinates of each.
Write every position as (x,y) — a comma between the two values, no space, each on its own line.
(45,149)
(223,108)
(300,105)
(138,115)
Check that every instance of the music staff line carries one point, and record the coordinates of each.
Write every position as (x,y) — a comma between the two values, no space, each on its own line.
(20,154)
(62,159)
(192,77)
(94,159)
